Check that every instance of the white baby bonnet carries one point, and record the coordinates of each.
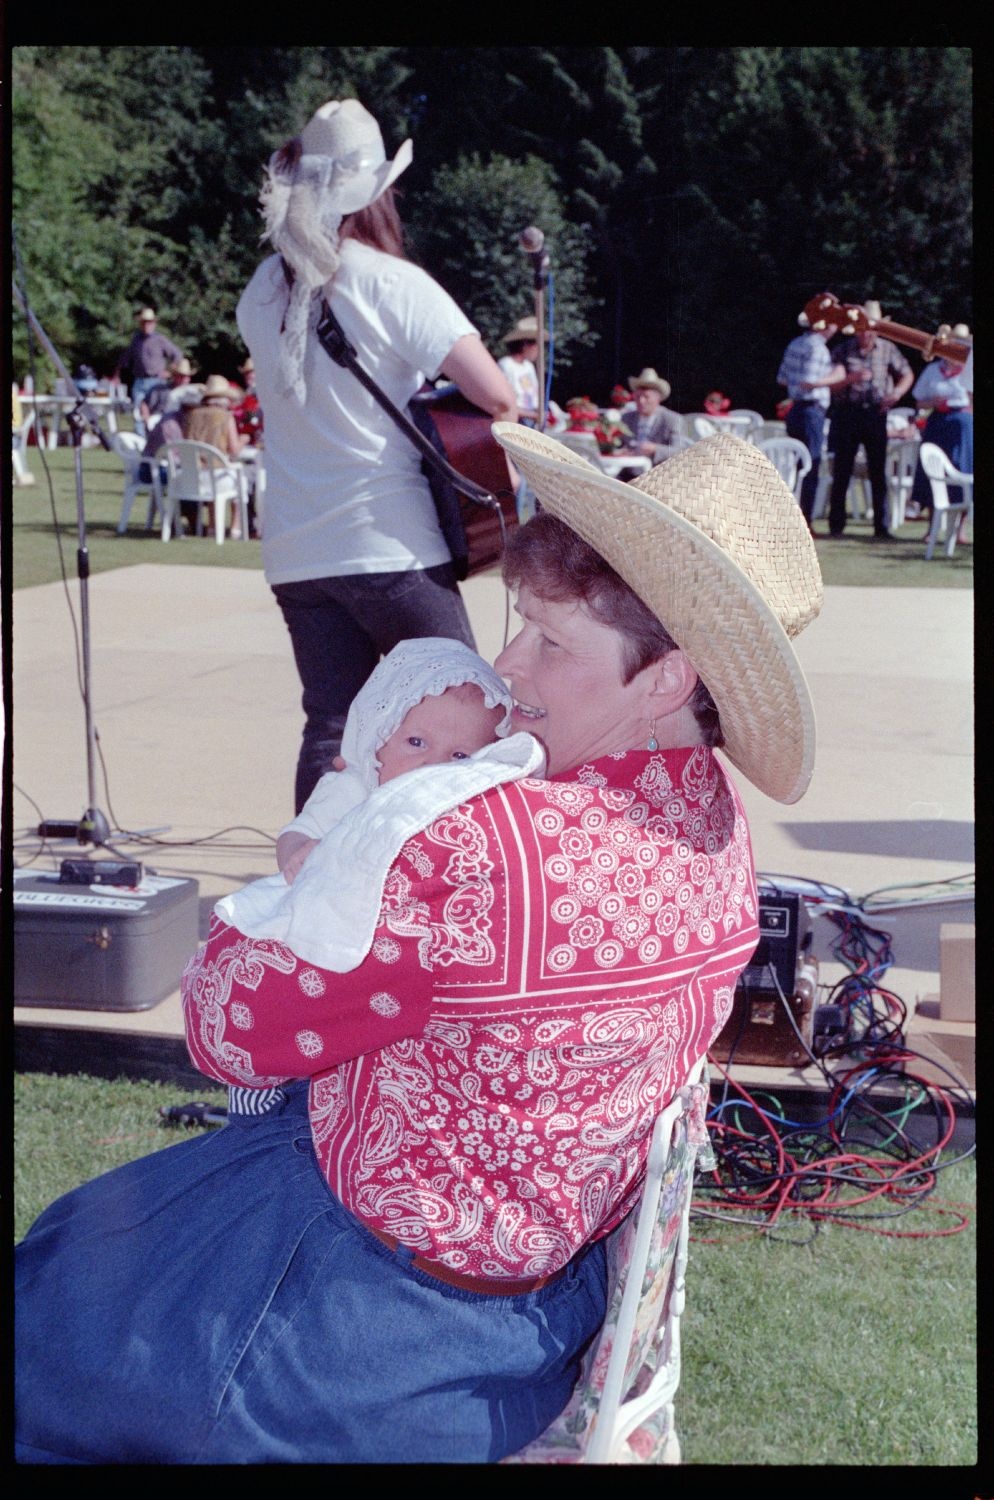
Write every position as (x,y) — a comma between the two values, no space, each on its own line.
(329,914)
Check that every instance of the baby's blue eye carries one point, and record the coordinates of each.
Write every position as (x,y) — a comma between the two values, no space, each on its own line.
(415,741)
(460,755)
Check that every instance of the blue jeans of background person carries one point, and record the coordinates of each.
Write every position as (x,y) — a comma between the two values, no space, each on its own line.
(339,629)
(852,425)
(215,1303)
(139,390)
(806,422)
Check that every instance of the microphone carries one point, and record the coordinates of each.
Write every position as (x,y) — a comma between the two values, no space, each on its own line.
(532,242)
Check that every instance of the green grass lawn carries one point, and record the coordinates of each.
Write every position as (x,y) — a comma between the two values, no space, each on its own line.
(49,508)
(841,1347)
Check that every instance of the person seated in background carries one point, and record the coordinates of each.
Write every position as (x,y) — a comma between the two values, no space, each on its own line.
(655,430)
(211,419)
(167,395)
(941,392)
(716,404)
(247,412)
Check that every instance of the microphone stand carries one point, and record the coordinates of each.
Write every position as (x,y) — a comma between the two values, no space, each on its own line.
(93,827)
(540,266)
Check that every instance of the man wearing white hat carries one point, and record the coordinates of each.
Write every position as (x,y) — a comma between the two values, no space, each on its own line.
(144,363)
(809,372)
(654,429)
(877,376)
(352,545)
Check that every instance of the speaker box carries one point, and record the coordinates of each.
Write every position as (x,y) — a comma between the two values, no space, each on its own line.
(101,947)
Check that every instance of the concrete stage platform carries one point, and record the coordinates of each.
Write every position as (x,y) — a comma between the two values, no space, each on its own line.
(196,704)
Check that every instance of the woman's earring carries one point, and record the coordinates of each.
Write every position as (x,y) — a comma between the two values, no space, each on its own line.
(653,742)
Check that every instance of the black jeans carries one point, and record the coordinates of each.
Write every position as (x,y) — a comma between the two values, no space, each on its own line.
(339,629)
(852,425)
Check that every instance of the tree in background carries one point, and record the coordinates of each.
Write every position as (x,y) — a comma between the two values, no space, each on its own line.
(466,228)
(693,198)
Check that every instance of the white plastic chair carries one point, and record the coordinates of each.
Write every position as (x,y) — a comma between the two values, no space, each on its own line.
(766,430)
(941,472)
(790,458)
(900,466)
(700,426)
(19,449)
(128,447)
(585,444)
(621,1410)
(200,472)
(746,420)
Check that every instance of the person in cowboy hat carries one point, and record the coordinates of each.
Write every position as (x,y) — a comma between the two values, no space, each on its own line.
(210,420)
(655,430)
(144,363)
(352,549)
(877,376)
(942,391)
(247,411)
(518,364)
(405,1262)
(166,396)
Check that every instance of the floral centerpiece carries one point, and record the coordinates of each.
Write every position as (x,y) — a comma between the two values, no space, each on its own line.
(606,426)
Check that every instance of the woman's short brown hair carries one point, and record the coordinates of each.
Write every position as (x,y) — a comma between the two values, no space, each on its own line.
(555,563)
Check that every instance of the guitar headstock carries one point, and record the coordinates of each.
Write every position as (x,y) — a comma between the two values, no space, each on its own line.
(825,311)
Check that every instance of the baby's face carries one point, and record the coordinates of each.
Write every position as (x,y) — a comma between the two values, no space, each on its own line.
(436,730)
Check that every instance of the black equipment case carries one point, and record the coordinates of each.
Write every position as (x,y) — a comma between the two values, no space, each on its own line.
(101,947)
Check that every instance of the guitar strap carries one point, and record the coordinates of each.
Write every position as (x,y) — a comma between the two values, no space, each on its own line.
(420,428)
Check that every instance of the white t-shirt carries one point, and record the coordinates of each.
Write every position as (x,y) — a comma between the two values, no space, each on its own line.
(344,488)
(523,380)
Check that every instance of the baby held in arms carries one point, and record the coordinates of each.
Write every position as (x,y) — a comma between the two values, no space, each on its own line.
(427,731)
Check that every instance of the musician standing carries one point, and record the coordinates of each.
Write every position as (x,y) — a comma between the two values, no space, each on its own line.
(877,376)
(809,372)
(352,546)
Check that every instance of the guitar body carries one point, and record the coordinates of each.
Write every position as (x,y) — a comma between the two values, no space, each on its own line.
(471,448)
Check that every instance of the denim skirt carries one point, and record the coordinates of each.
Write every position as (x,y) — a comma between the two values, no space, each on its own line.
(215,1303)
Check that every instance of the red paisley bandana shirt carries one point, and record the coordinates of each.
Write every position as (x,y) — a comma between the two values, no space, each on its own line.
(551,960)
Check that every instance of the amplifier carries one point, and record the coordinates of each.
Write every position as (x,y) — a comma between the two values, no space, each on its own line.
(772,1011)
(784,936)
(760,1031)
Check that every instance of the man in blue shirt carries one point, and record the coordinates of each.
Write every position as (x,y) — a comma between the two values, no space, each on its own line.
(809,373)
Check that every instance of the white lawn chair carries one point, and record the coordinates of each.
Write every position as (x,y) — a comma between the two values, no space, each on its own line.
(941,472)
(202,473)
(128,447)
(19,450)
(790,458)
(900,466)
(621,1411)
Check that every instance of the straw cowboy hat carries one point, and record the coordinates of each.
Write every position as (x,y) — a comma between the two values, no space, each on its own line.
(181,367)
(961,331)
(217,388)
(146,315)
(649,380)
(525,330)
(715,544)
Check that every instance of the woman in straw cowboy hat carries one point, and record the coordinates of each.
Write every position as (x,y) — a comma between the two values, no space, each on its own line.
(407,1263)
(352,547)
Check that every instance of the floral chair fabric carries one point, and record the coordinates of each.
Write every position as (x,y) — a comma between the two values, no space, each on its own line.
(641,1419)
